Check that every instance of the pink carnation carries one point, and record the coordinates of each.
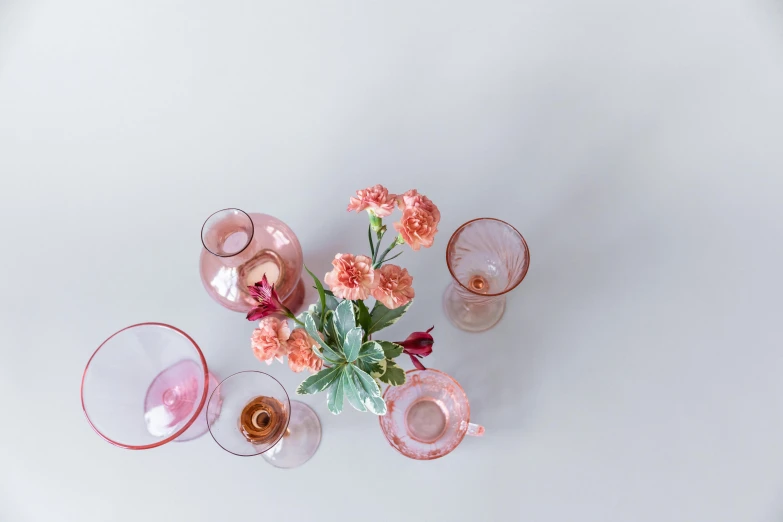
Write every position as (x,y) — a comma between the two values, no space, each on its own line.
(300,355)
(412,199)
(394,288)
(418,226)
(352,278)
(373,199)
(269,340)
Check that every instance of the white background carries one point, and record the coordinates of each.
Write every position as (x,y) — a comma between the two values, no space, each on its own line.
(637,145)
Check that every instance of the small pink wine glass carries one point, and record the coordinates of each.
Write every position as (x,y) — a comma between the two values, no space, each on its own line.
(250,414)
(487,259)
(146,385)
(239,248)
(428,416)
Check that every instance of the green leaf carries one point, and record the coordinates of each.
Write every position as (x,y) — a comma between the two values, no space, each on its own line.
(301,317)
(390,349)
(344,320)
(329,354)
(378,369)
(363,317)
(372,245)
(365,385)
(371,352)
(320,381)
(393,257)
(367,382)
(330,357)
(350,389)
(381,317)
(331,303)
(334,395)
(353,342)
(321,293)
(329,332)
(370,367)
(394,375)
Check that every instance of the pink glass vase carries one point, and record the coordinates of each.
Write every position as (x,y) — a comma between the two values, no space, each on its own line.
(428,416)
(487,259)
(147,385)
(239,248)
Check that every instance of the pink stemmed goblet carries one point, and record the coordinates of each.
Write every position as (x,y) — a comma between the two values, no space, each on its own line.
(239,248)
(147,385)
(428,416)
(250,414)
(487,259)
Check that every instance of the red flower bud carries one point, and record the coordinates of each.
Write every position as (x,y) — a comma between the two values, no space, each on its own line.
(418,345)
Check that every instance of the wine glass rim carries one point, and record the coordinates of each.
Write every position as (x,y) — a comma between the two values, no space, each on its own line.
(249,239)
(282,432)
(187,424)
(467,410)
(512,227)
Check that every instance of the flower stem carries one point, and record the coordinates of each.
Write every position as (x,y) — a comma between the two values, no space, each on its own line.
(377,248)
(372,243)
(290,315)
(398,241)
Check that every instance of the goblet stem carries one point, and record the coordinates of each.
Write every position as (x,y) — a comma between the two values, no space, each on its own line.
(470,311)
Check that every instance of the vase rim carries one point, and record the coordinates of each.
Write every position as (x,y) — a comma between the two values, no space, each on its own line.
(219,215)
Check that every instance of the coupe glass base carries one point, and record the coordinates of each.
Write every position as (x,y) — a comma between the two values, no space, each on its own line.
(301,440)
(171,398)
(472,317)
(199,427)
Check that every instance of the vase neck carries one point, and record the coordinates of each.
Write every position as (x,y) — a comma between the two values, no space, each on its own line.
(227,232)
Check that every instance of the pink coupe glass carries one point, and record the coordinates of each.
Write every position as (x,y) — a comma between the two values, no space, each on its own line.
(239,248)
(250,414)
(428,416)
(147,385)
(487,259)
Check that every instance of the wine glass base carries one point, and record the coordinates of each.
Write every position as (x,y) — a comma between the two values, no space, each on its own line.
(472,317)
(300,442)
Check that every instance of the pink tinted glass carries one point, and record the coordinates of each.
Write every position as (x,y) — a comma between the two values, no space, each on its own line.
(301,428)
(239,248)
(428,416)
(147,385)
(487,258)
(226,404)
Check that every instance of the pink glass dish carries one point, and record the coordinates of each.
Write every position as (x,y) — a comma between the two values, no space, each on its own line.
(147,385)
(428,416)
(487,258)
(239,248)
(298,440)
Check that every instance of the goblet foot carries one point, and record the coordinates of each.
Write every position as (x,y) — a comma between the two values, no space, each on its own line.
(472,316)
